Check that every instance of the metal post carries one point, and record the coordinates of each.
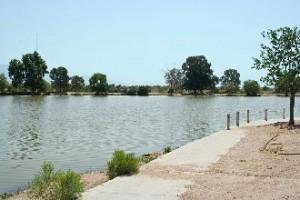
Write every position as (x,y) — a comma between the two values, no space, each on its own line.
(237,119)
(228,121)
(266,114)
(283,113)
(248,116)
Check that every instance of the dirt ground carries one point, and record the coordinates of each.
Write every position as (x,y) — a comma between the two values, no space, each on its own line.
(264,165)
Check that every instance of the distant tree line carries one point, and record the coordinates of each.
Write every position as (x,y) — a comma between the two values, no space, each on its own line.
(196,75)
(28,77)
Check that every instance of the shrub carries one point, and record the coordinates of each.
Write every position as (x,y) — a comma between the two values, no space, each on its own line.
(167,149)
(143,90)
(41,185)
(51,185)
(67,186)
(122,164)
(251,88)
(131,91)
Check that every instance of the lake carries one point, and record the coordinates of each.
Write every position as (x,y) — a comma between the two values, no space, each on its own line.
(81,132)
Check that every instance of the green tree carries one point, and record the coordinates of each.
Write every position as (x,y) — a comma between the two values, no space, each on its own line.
(77,83)
(230,81)
(174,78)
(3,83)
(132,90)
(143,90)
(282,87)
(98,83)
(16,73)
(280,57)
(251,87)
(35,69)
(198,74)
(28,73)
(60,79)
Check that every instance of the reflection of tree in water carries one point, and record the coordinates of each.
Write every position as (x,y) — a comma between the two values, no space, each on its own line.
(25,127)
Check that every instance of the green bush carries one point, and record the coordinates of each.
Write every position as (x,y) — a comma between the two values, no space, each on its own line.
(251,88)
(51,185)
(131,91)
(167,149)
(143,90)
(122,164)
(67,186)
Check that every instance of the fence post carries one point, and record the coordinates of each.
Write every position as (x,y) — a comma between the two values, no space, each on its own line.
(228,121)
(237,119)
(248,116)
(283,113)
(266,114)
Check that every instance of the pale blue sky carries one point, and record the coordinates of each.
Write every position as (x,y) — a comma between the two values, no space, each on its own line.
(135,41)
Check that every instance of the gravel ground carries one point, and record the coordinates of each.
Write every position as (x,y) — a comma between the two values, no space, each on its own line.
(264,165)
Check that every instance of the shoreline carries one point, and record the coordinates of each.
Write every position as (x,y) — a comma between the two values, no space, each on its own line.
(209,151)
(178,172)
(150,94)
(90,178)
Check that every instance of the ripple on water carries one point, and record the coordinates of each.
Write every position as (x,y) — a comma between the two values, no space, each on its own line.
(81,133)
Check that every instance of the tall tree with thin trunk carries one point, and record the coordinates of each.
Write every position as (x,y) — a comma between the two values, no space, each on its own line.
(280,57)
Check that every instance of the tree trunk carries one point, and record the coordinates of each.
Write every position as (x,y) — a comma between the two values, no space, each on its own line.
(171,92)
(60,88)
(292,106)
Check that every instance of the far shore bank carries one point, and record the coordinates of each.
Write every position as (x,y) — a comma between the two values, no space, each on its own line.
(150,94)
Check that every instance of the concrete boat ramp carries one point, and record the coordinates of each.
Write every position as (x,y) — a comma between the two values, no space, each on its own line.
(193,157)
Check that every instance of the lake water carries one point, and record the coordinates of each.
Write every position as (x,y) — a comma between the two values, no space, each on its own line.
(81,132)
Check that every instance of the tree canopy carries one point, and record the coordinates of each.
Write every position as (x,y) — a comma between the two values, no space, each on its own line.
(143,90)
(77,83)
(174,79)
(280,57)
(251,87)
(29,72)
(3,83)
(198,74)
(98,83)
(60,79)
(230,81)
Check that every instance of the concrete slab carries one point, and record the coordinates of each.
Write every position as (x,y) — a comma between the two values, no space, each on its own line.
(202,153)
(199,155)
(137,187)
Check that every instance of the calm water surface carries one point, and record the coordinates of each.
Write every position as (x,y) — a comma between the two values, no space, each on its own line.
(81,132)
